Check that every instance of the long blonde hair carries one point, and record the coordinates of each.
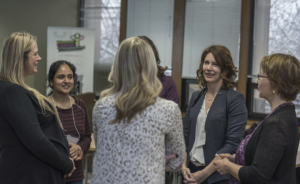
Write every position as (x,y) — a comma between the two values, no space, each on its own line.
(134,77)
(14,55)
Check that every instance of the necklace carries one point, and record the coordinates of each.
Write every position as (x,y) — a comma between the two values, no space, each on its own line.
(72,114)
(212,98)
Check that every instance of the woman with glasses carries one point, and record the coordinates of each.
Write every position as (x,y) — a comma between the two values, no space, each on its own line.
(215,118)
(268,154)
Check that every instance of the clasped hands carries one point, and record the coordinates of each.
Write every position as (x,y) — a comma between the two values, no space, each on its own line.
(76,154)
(75,151)
(221,164)
(70,174)
(196,177)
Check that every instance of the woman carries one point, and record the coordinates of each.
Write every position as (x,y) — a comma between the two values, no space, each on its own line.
(73,114)
(33,146)
(169,90)
(215,118)
(132,125)
(268,154)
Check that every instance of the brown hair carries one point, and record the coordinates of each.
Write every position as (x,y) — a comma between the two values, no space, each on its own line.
(160,69)
(283,72)
(223,58)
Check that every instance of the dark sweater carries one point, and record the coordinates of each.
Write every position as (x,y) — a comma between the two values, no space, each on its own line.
(169,91)
(33,148)
(270,155)
(83,127)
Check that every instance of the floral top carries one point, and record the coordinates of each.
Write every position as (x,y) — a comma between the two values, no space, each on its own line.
(240,153)
(135,152)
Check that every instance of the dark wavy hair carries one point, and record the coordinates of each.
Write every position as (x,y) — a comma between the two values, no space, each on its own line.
(223,58)
(53,69)
(160,69)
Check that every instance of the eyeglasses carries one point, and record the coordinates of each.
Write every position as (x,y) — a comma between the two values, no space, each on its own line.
(260,76)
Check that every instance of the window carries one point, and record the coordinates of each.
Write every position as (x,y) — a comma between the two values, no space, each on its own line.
(104,17)
(154,19)
(210,22)
(276,30)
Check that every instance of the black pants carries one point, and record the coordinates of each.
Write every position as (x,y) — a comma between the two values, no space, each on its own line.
(167,176)
(194,168)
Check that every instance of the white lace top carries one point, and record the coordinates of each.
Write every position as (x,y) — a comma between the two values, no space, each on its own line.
(135,152)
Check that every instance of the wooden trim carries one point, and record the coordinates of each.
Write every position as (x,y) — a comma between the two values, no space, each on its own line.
(178,39)
(123,20)
(244,47)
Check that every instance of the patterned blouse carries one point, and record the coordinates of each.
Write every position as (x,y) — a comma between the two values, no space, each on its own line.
(135,152)
(240,153)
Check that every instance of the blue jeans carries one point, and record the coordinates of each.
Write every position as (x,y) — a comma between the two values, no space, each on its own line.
(75,182)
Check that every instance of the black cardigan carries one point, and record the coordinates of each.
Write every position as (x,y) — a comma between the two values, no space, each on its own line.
(270,155)
(33,148)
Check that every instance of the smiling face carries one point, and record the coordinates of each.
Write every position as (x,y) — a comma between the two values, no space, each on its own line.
(211,70)
(30,66)
(63,80)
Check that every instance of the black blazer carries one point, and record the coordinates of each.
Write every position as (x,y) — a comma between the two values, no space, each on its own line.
(225,125)
(270,155)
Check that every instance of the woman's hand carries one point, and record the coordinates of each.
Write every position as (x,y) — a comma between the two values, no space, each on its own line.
(168,158)
(228,156)
(199,176)
(188,177)
(221,166)
(70,174)
(75,151)
(79,156)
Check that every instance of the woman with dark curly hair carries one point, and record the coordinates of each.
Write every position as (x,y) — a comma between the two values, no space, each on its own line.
(268,154)
(215,118)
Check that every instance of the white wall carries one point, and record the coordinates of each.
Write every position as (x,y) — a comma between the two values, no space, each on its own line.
(154,19)
(34,16)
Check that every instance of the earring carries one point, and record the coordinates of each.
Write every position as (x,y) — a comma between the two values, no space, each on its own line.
(274,91)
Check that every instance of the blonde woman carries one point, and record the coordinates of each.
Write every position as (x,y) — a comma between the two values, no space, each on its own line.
(33,146)
(133,127)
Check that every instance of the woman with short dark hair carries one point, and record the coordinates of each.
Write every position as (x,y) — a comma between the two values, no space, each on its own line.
(268,154)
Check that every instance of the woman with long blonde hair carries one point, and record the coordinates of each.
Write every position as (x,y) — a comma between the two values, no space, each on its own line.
(133,127)
(33,146)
